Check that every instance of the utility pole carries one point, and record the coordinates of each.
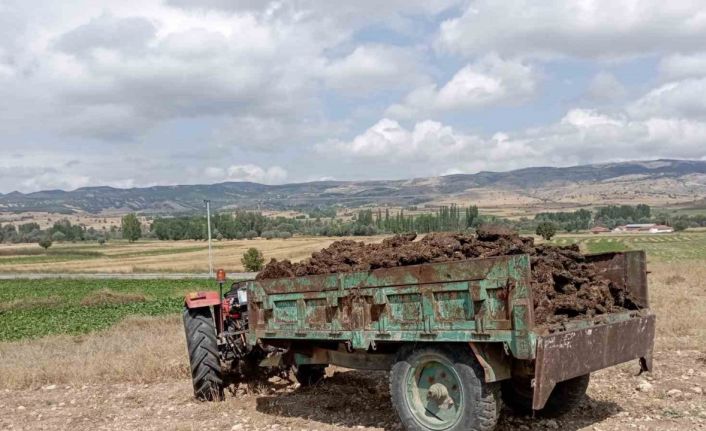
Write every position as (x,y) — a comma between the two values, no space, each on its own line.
(208,223)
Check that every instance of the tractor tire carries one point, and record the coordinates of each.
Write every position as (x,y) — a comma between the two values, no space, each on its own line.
(206,373)
(517,394)
(309,375)
(443,388)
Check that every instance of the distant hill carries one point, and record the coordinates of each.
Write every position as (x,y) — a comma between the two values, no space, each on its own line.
(658,182)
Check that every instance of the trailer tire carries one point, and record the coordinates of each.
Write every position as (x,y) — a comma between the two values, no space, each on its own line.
(206,374)
(309,375)
(517,394)
(442,388)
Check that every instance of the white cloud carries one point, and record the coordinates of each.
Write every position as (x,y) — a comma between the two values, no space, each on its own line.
(604,87)
(489,81)
(589,29)
(679,66)
(581,136)
(247,172)
(681,99)
(388,139)
(373,68)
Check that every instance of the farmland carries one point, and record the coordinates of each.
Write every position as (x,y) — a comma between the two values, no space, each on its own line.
(31,309)
(110,353)
(152,256)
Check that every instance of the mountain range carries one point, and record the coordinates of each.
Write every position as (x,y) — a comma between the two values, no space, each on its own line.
(657,182)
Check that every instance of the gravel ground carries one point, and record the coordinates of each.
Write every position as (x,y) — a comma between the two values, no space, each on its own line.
(670,398)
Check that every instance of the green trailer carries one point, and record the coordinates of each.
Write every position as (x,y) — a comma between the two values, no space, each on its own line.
(458,337)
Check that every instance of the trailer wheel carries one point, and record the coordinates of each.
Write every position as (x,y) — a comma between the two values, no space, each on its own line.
(201,343)
(442,388)
(309,375)
(517,394)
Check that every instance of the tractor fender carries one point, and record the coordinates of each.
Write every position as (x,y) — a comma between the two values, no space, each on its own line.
(202,299)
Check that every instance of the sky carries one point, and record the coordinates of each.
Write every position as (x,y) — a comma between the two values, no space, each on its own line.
(155,92)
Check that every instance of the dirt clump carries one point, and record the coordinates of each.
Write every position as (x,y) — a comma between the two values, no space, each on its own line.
(564,284)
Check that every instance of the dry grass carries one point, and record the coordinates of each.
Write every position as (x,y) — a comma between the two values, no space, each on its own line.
(678,297)
(140,350)
(31,302)
(174,256)
(107,296)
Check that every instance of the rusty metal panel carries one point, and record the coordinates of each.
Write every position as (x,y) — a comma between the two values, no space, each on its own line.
(459,301)
(627,269)
(570,354)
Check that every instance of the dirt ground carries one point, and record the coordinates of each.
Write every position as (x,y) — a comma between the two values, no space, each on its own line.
(671,398)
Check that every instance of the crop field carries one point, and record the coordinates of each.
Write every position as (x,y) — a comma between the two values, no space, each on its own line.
(667,247)
(152,256)
(36,308)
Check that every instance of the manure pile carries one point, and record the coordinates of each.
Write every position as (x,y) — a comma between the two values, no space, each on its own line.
(564,284)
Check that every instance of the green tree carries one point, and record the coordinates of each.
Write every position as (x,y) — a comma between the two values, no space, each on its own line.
(546,230)
(130,225)
(252,259)
(58,236)
(45,243)
(680,225)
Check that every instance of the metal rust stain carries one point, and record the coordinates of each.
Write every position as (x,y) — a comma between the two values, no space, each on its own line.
(574,353)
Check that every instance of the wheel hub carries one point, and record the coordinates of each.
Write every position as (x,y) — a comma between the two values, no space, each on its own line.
(434,393)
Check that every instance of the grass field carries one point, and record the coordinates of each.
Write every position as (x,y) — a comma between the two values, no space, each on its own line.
(667,247)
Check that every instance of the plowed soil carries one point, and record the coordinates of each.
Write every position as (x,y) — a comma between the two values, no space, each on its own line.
(564,284)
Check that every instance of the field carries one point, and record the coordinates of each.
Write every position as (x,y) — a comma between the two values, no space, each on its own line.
(110,354)
(152,256)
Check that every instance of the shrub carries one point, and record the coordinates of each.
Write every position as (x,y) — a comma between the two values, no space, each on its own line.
(269,234)
(546,230)
(45,243)
(252,259)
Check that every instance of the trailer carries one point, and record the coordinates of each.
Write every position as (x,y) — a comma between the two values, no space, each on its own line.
(458,338)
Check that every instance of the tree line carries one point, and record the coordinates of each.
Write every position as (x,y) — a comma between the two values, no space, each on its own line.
(250,224)
(247,224)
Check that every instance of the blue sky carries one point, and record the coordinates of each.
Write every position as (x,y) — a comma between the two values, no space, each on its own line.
(137,93)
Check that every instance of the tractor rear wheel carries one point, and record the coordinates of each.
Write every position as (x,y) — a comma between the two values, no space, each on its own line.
(517,394)
(205,362)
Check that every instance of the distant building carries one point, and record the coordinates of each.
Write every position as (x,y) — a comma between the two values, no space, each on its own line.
(660,228)
(600,229)
(644,228)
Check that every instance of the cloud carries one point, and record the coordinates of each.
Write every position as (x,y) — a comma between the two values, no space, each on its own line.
(586,29)
(581,136)
(490,81)
(247,172)
(126,35)
(679,66)
(604,87)
(681,99)
(372,68)
(390,141)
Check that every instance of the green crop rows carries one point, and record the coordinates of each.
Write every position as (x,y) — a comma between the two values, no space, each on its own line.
(669,247)
(34,308)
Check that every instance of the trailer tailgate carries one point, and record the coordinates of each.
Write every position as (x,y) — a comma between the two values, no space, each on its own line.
(565,355)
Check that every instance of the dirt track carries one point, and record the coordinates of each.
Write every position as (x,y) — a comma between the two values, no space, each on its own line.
(352,399)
